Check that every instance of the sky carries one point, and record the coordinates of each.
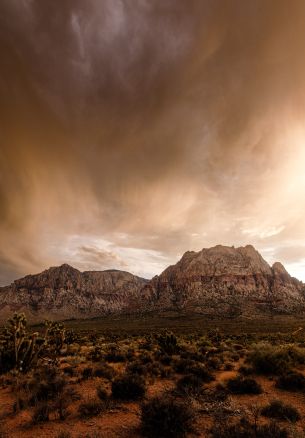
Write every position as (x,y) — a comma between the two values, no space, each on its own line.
(132,131)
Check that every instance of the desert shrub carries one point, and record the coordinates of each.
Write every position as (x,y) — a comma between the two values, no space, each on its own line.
(190,384)
(271,430)
(20,403)
(189,366)
(87,373)
(114,355)
(71,337)
(182,366)
(46,387)
(69,371)
(292,381)
(104,370)
(60,406)
(46,384)
(245,370)
(136,368)
(214,362)
(63,434)
(41,413)
(128,387)
(96,354)
(200,371)
(168,343)
(165,372)
(228,366)
(154,369)
(269,359)
(145,358)
(245,429)
(278,410)
(90,408)
(240,385)
(165,359)
(166,417)
(101,393)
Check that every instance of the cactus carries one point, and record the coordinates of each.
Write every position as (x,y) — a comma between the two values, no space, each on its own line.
(55,335)
(168,343)
(20,350)
(22,347)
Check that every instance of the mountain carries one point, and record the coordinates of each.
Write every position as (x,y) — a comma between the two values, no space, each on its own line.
(64,292)
(219,281)
(225,281)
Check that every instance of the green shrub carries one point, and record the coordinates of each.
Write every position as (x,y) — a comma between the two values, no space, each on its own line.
(240,385)
(166,418)
(128,387)
(281,411)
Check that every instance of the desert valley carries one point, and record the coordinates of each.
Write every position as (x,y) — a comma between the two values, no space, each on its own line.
(152,219)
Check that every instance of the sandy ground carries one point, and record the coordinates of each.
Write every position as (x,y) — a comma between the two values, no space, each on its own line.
(123,420)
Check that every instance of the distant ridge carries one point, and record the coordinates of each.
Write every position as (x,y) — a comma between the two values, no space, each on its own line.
(220,281)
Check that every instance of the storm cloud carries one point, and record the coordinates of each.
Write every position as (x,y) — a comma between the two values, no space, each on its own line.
(134,130)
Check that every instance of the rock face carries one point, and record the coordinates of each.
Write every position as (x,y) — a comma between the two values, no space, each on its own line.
(220,281)
(64,292)
(225,281)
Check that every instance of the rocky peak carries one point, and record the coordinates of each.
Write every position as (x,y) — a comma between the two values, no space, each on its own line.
(279,269)
(223,260)
(225,280)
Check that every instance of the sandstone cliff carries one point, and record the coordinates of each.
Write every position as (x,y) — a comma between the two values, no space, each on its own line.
(219,281)
(225,281)
(64,292)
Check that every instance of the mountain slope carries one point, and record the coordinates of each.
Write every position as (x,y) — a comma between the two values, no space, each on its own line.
(219,281)
(64,292)
(225,281)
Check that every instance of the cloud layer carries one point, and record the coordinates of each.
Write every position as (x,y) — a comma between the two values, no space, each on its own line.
(132,131)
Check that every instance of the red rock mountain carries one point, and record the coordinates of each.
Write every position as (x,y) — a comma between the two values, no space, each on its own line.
(226,281)
(219,281)
(64,292)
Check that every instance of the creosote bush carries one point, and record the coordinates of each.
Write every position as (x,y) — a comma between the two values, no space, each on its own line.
(168,343)
(91,408)
(241,385)
(278,410)
(167,417)
(246,429)
(190,385)
(292,381)
(128,387)
(274,360)
(41,413)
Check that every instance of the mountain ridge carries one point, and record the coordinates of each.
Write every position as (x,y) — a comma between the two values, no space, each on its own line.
(217,281)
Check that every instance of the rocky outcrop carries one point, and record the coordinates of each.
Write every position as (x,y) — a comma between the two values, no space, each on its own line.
(225,281)
(64,292)
(220,281)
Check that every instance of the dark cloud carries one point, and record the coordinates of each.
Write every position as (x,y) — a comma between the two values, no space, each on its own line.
(91,256)
(156,126)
